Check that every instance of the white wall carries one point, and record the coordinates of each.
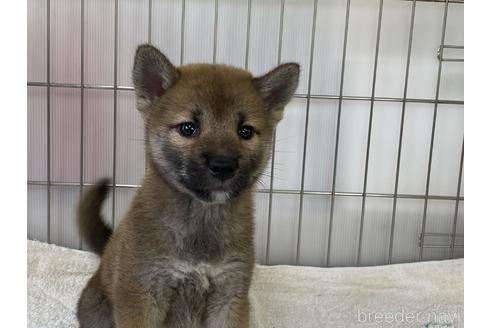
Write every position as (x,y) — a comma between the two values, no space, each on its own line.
(96,125)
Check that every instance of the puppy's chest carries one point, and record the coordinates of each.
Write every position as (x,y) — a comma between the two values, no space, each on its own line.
(190,282)
(202,246)
(203,275)
(202,236)
(199,257)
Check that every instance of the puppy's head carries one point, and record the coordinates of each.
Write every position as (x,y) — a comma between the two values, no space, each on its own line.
(209,127)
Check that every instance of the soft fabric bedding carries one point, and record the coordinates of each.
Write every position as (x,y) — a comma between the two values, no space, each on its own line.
(425,294)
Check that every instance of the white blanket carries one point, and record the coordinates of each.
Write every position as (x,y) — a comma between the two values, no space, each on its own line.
(426,294)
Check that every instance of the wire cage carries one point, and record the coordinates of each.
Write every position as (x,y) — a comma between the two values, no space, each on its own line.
(367,165)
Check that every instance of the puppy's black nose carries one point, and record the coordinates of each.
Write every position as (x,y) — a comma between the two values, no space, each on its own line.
(222,167)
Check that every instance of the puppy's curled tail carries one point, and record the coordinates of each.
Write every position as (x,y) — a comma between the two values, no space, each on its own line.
(92,228)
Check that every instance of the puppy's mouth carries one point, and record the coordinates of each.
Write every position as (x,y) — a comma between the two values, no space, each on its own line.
(213,195)
(214,192)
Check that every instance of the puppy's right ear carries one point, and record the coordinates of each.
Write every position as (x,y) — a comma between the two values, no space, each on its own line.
(153,75)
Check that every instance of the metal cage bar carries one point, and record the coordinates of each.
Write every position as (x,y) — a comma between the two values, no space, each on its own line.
(115,108)
(400,137)
(272,168)
(440,234)
(81,177)
(297,95)
(457,202)
(337,138)
(183,14)
(369,131)
(434,119)
(48,122)
(149,41)
(308,105)
(149,28)
(276,191)
(216,21)
(440,53)
(248,32)
(442,1)
(441,246)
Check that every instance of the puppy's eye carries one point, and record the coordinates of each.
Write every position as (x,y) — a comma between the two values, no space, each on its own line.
(188,129)
(246,132)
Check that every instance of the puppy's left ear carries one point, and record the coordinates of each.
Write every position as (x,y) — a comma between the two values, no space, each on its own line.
(278,86)
(153,75)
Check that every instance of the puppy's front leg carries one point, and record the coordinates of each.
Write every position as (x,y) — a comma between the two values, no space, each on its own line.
(233,313)
(138,310)
(228,305)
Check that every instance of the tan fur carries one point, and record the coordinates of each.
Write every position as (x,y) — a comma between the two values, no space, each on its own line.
(177,260)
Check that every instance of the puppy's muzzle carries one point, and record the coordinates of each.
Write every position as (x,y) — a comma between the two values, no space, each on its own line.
(222,167)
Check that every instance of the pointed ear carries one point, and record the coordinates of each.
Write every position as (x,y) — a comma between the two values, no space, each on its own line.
(278,86)
(153,75)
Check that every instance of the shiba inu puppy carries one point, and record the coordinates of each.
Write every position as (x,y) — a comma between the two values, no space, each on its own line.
(183,255)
